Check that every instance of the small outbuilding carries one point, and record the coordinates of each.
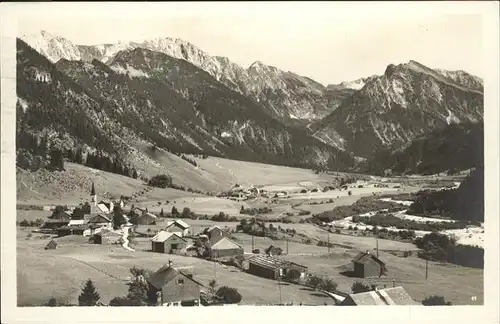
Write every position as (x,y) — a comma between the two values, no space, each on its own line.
(168,242)
(52,245)
(367,265)
(179,227)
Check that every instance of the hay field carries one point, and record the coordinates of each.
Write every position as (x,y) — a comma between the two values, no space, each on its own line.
(61,273)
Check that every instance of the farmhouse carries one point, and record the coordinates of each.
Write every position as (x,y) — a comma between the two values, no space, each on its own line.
(146,219)
(221,247)
(273,250)
(214,231)
(51,245)
(106,236)
(174,287)
(167,242)
(273,268)
(72,230)
(367,265)
(100,220)
(61,215)
(179,227)
(381,297)
(53,224)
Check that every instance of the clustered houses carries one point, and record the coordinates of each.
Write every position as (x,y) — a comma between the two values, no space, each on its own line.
(179,227)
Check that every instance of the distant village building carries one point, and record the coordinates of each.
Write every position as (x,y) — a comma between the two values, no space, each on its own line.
(273,250)
(146,218)
(100,220)
(53,224)
(106,236)
(214,231)
(72,230)
(273,268)
(367,265)
(380,297)
(174,287)
(168,242)
(179,227)
(51,245)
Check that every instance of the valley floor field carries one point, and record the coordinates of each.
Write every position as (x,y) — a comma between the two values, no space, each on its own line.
(60,273)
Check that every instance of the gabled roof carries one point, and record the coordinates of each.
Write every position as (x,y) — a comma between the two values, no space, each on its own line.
(162,236)
(51,243)
(267,262)
(364,257)
(166,274)
(179,223)
(57,221)
(100,218)
(147,215)
(383,297)
(62,215)
(224,243)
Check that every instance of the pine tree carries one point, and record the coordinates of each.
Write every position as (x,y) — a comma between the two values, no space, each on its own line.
(89,295)
(161,213)
(92,190)
(134,174)
(174,211)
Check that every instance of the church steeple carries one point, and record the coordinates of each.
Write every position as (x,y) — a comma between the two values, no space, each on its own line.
(93,194)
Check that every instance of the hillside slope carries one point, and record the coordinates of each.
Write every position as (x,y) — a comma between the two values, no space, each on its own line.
(408,100)
(454,148)
(148,97)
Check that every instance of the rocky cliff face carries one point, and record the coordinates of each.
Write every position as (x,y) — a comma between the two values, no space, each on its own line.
(408,100)
(168,102)
(285,95)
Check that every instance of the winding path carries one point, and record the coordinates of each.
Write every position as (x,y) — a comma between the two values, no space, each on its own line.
(125,238)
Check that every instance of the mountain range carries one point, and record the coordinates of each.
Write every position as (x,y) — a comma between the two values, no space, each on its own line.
(127,97)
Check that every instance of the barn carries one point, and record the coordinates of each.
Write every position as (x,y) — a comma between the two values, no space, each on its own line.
(221,247)
(106,236)
(273,268)
(179,227)
(367,265)
(146,219)
(167,242)
(51,245)
(100,220)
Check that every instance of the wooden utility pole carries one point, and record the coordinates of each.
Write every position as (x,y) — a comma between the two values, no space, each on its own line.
(426,268)
(377,247)
(252,244)
(287,246)
(328,243)
(279,285)
(215,270)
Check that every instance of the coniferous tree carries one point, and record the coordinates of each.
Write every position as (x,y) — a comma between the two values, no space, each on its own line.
(92,190)
(89,295)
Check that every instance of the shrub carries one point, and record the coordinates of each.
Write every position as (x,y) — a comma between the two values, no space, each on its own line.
(24,223)
(328,285)
(435,301)
(304,212)
(161,181)
(292,275)
(229,295)
(359,287)
(314,281)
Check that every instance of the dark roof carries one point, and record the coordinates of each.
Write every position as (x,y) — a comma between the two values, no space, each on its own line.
(106,232)
(166,274)
(270,262)
(100,218)
(52,243)
(74,227)
(382,297)
(364,257)
(62,215)
(272,248)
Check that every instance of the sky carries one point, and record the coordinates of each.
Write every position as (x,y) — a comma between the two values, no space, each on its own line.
(329,42)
